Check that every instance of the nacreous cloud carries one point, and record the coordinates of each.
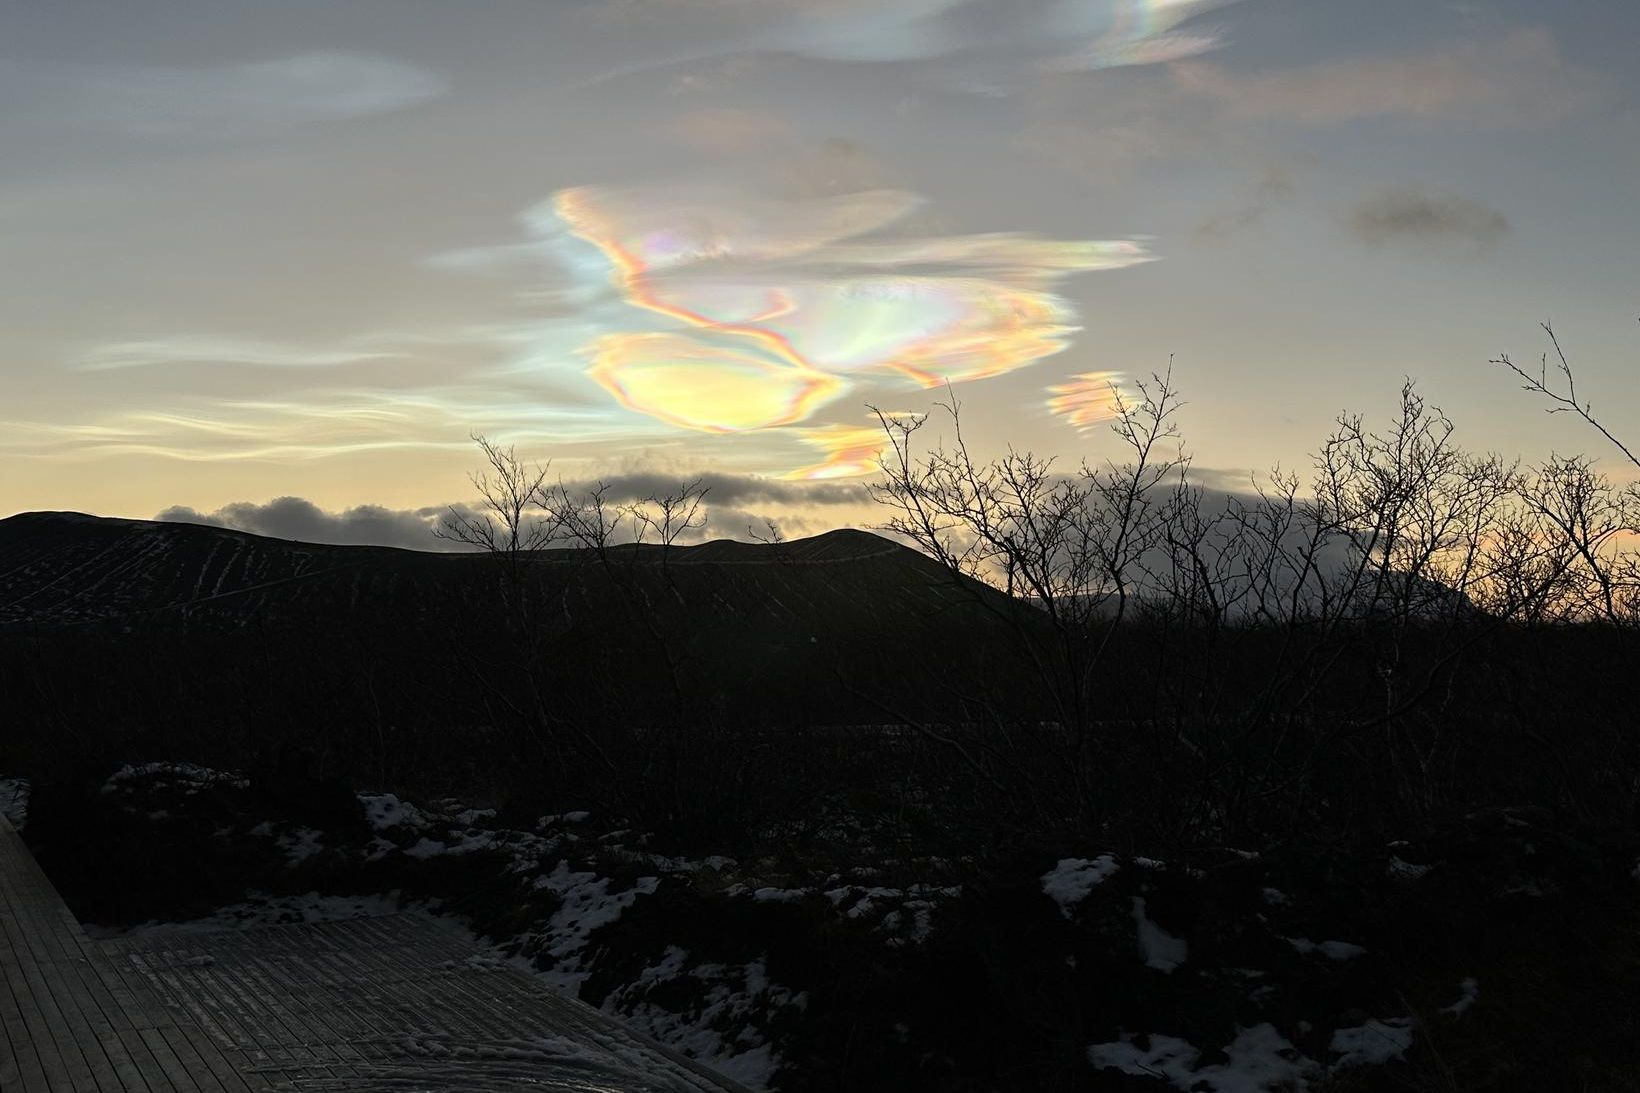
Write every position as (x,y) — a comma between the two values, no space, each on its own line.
(1087,398)
(776,308)
(985,45)
(849,451)
(227,100)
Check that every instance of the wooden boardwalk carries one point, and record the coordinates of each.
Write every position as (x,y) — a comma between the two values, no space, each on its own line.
(400,1002)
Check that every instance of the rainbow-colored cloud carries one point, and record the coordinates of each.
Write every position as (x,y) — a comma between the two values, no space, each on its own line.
(774,309)
(1087,398)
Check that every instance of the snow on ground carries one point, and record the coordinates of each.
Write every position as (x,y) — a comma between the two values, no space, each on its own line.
(906,915)
(718,1028)
(188,777)
(1258,1060)
(722,1008)
(1332,950)
(301,844)
(587,903)
(1373,1043)
(14,800)
(385,812)
(1160,949)
(1469,992)
(1405,870)
(1069,882)
(722,1012)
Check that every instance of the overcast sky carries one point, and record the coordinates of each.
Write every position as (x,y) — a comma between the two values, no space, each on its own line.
(258,250)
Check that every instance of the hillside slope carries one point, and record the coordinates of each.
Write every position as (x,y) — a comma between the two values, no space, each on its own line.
(67,569)
(752,631)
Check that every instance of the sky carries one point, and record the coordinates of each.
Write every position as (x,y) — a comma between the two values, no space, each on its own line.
(270,263)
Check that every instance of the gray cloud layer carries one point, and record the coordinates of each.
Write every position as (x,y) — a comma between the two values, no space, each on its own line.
(300,519)
(1416,216)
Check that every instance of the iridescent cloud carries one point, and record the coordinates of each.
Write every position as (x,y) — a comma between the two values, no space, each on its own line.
(849,451)
(988,45)
(773,303)
(1133,32)
(1087,398)
(690,383)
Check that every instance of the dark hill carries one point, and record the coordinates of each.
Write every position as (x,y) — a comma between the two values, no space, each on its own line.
(192,633)
(67,569)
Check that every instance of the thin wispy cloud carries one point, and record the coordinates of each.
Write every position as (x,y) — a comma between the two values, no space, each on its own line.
(223,351)
(975,47)
(1273,188)
(1518,77)
(1411,215)
(312,425)
(225,100)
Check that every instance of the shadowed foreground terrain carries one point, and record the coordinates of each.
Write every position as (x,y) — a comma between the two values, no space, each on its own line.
(801,811)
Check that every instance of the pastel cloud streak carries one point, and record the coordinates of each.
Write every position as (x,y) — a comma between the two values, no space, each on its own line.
(849,451)
(213,350)
(777,308)
(308,425)
(1086,399)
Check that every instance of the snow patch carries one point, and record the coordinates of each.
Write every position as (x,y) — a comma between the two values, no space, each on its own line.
(1258,1060)
(386,811)
(14,801)
(189,777)
(586,903)
(1069,882)
(1371,1044)
(714,1025)
(1405,870)
(1161,950)
(1332,950)
(1469,991)
(300,845)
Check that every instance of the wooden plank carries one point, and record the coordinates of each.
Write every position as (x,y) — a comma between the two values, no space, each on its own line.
(65,1066)
(390,1002)
(71,1024)
(106,1056)
(400,999)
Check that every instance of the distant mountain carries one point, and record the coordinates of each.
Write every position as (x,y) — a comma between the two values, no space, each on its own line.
(838,626)
(60,569)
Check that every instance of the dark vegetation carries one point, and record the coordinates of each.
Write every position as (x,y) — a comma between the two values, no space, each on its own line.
(1410,646)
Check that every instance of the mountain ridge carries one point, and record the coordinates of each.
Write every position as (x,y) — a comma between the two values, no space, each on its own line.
(70,568)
